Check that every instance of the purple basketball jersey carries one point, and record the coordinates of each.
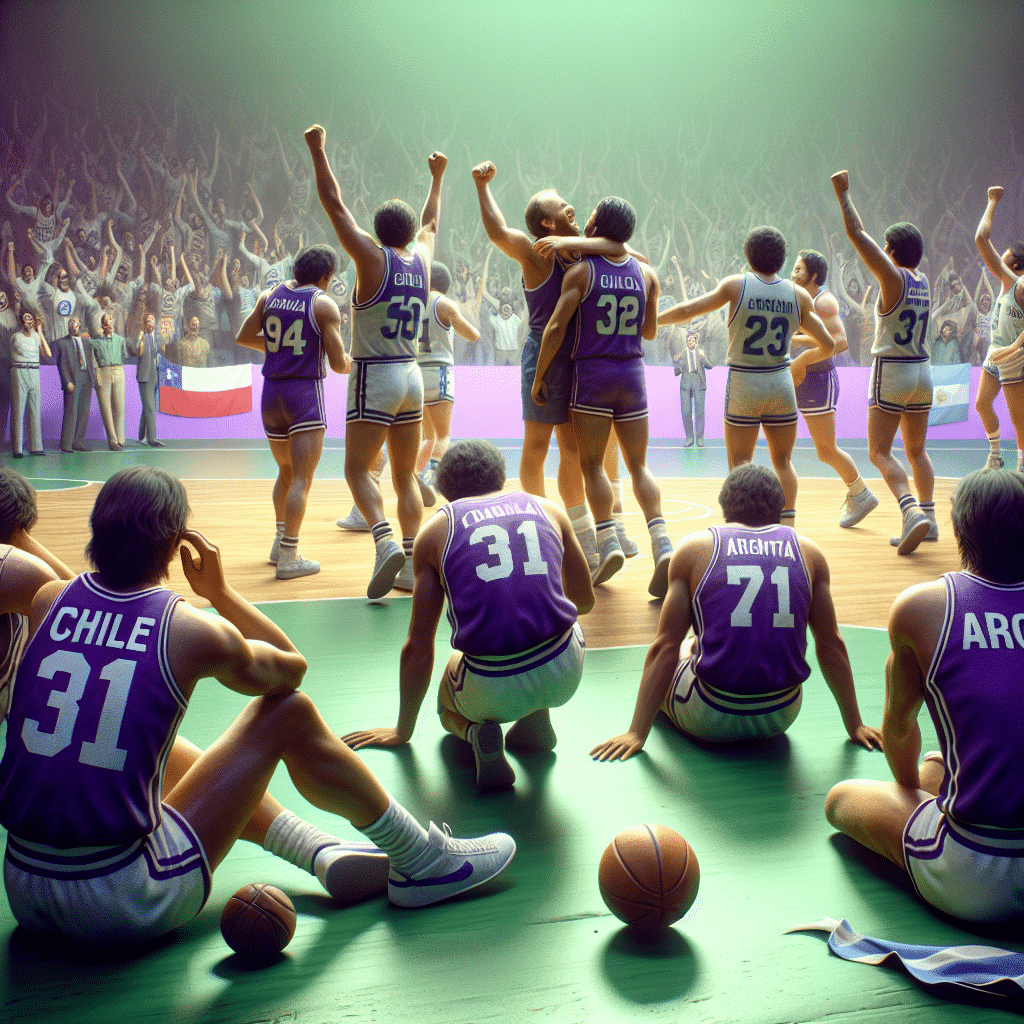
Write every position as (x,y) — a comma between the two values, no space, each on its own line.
(294,348)
(93,716)
(975,694)
(610,317)
(502,572)
(750,611)
(541,301)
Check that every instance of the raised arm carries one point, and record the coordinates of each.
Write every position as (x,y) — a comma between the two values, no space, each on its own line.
(513,243)
(983,240)
(890,280)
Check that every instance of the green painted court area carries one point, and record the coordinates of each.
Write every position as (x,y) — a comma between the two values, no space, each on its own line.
(538,944)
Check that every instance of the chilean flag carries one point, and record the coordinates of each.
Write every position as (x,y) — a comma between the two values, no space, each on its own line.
(205,391)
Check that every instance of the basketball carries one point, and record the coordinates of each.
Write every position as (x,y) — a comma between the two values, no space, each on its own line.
(258,922)
(648,877)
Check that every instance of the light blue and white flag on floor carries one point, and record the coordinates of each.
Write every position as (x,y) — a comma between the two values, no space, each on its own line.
(994,972)
(951,393)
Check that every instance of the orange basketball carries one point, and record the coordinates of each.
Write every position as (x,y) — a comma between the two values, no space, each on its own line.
(648,877)
(258,922)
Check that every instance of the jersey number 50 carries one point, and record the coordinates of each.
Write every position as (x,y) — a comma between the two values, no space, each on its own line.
(403,318)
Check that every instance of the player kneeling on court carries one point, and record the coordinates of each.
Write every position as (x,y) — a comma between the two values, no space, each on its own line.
(111,662)
(956,822)
(515,578)
(750,589)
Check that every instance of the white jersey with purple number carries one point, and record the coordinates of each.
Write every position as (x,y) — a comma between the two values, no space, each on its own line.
(763,323)
(94,712)
(437,342)
(975,694)
(750,611)
(387,325)
(902,332)
(502,573)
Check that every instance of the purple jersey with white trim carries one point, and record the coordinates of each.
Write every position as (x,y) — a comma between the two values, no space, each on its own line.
(750,611)
(93,716)
(975,694)
(387,325)
(292,335)
(611,313)
(502,572)
(541,301)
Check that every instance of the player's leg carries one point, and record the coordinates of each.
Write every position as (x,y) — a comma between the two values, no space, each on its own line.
(988,388)
(882,426)
(740,442)
(822,428)
(437,435)
(220,794)
(403,447)
(485,738)
(914,430)
(1014,395)
(427,444)
(354,520)
(874,814)
(592,434)
(633,437)
(781,438)
(305,448)
(630,548)
(536,442)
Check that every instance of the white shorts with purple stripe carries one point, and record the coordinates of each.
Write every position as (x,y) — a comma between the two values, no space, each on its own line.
(438,383)
(386,391)
(976,875)
(756,396)
(110,896)
(713,715)
(507,689)
(901,385)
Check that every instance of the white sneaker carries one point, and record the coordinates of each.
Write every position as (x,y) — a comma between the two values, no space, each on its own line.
(916,525)
(492,769)
(630,548)
(298,567)
(856,507)
(405,579)
(933,529)
(427,492)
(354,521)
(390,559)
(449,866)
(658,587)
(275,551)
(610,560)
(353,872)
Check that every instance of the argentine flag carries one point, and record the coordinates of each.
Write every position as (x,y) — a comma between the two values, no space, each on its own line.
(951,393)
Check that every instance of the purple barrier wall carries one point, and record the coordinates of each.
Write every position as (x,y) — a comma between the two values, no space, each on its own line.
(488,405)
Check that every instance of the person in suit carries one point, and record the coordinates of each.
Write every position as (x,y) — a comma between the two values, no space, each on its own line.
(690,363)
(147,376)
(75,387)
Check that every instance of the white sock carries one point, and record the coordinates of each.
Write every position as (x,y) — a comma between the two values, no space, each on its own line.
(583,526)
(399,835)
(857,487)
(296,841)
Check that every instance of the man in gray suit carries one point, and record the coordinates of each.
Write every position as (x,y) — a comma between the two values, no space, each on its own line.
(147,375)
(75,387)
(690,364)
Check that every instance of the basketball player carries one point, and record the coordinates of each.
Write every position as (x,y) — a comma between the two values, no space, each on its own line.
(956,822)
(901,376)
(437,360)
(515,579)
(817,395)
(1008,322)
(548,214)
(299,328)
(751,589)
(614,302)
(111,663)
(385,387)
(764,312)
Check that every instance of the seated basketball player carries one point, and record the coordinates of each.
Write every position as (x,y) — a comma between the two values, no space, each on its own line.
(111,662)
(751,589)
(955,822)
(515,578)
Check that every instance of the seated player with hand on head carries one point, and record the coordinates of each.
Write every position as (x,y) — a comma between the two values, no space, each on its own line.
(111,663)
(515,578)
(956,822)
(751,589)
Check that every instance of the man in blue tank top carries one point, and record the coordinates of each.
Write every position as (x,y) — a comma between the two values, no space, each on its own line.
(955,822)
(298,326)
(515,579)
(751,589)
(900,397)
(385,387)
(114,822)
